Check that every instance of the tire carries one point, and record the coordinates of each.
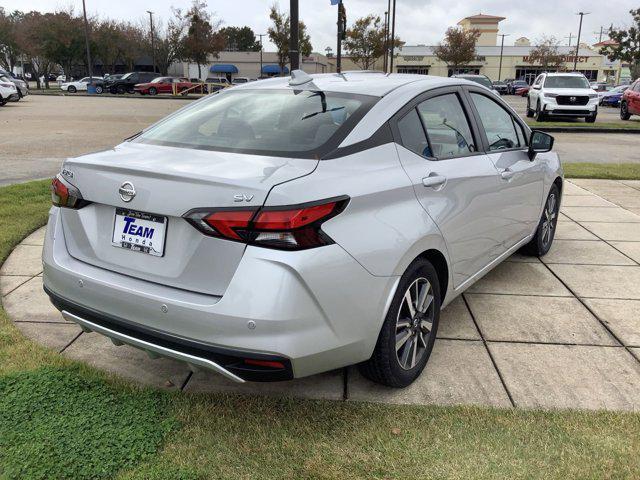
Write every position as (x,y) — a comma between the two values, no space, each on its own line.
(624,111)
(530,112)
(400,367)
(130,90)
(539,114)
(591,118)
(71,89)
(120,89)
(153,91)
(545,233)
(99,89)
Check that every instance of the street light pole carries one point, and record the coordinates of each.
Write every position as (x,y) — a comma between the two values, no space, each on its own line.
(386,37)
(86,39)
(261,35)
(294,54)
(501,50)
(575,60)
(153,44)
(393,36)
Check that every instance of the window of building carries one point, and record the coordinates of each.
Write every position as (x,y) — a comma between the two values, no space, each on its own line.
(417,69)
(447,126)
(460,71)
(498,124)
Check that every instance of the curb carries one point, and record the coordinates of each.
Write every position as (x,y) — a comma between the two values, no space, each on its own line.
(56,93)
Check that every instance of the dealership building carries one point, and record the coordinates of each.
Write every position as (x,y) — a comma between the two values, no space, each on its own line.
(516,62)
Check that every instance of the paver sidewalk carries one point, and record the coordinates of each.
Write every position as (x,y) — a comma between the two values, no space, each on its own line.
(558,332)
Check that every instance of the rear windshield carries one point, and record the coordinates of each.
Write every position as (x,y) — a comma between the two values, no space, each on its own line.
(568,81)
(304,124)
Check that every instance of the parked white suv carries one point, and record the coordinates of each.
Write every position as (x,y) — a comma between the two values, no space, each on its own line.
(562,95)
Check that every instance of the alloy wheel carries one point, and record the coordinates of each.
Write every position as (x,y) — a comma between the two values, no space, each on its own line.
(549,220)
(414,323)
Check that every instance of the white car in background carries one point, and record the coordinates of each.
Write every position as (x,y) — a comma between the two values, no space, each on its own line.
(8,91)
(79,85)
(562,95)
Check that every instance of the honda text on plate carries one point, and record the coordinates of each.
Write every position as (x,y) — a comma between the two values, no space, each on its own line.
(292,226)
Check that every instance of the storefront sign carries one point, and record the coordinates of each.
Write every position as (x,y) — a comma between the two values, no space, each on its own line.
(565,59)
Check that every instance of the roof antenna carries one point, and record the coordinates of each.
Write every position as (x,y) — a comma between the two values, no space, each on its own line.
(303,80)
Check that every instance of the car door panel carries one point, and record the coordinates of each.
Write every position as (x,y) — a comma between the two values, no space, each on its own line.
(459,194)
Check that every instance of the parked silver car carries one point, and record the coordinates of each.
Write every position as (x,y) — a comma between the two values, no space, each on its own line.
(292,226)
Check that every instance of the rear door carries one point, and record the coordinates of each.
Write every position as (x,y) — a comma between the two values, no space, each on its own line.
(634,98)
(520,179)
(455,182)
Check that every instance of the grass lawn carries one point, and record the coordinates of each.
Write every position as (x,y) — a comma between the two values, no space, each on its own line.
(611,171)
(60,419)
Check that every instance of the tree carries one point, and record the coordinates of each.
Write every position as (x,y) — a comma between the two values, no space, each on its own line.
(280,32)
(202,38)
(458,48)
(31,34)
(365,41)
(546,54)
(62,38)
(628,45)
(240,39)
(169,43)
(8,39)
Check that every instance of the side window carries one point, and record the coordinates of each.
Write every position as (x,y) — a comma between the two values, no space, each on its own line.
(498,124)
(412,134)
(447,126)
(538,81)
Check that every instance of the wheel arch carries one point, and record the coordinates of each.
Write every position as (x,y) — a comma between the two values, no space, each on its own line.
(439,262)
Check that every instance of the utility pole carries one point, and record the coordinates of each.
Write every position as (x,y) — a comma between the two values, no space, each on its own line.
(342,32)
(386,38)
(393,36)
(294,53)
(575,60)
(600,33)
(153,43)
(86,39)
(501,50)
(570,37)
(261,35)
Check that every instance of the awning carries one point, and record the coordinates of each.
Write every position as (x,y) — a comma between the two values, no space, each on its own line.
(223,68)
(273,69)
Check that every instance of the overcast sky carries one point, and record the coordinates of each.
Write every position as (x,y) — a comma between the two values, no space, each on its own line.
(418,21)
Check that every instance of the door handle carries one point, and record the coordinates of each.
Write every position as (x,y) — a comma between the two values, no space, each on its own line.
(507,174)
(434,181)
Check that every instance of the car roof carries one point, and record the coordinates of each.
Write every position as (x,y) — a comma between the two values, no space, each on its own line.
(376,84)
(564,74)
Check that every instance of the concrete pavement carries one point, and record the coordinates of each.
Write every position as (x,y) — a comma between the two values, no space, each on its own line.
(558,332)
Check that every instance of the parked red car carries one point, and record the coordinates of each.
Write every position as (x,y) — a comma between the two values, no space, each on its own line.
(523,91)
(163,85)
(630,102)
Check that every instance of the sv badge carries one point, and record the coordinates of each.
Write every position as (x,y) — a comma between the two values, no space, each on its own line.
(242,197)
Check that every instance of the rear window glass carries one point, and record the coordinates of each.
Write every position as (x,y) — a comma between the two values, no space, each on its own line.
(267,122)
(569,81)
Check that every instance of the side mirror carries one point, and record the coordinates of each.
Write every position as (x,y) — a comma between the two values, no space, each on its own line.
(536,87)
(539,142)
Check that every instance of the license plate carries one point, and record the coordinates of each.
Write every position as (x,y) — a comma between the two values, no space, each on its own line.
(139,232)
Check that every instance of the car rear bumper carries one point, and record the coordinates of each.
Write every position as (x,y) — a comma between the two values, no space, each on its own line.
(312,311)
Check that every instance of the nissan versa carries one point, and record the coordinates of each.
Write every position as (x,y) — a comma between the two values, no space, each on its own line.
(292,226)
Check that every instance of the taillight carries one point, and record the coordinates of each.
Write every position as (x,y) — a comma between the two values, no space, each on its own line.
(285,228)
(63,194)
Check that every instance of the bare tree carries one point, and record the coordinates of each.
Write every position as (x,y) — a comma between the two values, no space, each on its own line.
(546,54)
(202,36)
(458,48)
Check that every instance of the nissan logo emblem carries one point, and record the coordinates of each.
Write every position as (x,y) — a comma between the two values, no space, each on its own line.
(127,191)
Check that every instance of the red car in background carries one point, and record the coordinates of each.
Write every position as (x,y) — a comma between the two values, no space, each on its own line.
(163,85)
(523,91)
(630,101)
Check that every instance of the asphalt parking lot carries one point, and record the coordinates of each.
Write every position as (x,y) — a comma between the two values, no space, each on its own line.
(38,133)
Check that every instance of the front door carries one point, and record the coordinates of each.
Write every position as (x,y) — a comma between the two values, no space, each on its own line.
(455,183)
(520,179)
